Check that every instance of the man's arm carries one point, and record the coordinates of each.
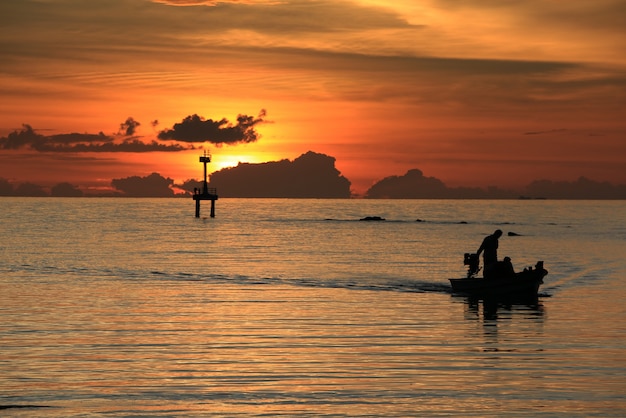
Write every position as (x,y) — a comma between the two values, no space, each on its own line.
(481,248)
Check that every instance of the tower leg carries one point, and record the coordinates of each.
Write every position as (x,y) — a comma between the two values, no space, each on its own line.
(212,208)
(197,208)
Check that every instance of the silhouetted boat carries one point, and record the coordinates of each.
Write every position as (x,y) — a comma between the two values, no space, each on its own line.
(523,283)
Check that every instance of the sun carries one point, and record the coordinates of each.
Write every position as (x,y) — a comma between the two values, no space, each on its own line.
(227,160)
(187,165)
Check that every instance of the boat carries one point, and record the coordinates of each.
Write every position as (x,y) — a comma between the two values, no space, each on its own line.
(503,282)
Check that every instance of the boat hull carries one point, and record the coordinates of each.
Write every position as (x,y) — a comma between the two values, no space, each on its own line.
(521,284)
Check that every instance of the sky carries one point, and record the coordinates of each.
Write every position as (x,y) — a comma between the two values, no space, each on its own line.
(475,93)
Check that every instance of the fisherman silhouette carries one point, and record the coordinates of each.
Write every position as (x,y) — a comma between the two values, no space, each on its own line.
(489,248)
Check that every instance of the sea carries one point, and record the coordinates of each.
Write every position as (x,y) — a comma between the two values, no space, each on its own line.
(125,307)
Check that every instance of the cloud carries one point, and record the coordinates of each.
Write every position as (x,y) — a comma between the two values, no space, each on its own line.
(414,185)
(128,145)
(347,50)
(311,175)
(209,2)
(66,190)
(129,127)
(153,185)
(120,25)
(28,138)
(290,16)
(550,131)
(376,63)
(6,188)
(195,128)
(30,190)
(574,14)
(399,71)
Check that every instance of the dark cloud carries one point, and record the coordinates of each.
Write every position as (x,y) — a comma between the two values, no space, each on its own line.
(153,185)
(129,145)
(30,190)
(195,128)
(28,138)
(75,138)
(551,131)
(191,185)
(311,175)
(66,190)
(414,185)
(413,181)
(6,188)
(129,127)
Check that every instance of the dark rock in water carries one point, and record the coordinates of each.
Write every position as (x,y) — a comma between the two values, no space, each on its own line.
(513,234)
(372,218)
(463,223)
(420,220)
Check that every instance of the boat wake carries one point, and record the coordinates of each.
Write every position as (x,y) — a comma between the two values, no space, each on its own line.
(383,285)
(54,273)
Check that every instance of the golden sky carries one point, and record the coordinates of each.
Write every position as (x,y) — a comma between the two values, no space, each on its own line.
(475,93)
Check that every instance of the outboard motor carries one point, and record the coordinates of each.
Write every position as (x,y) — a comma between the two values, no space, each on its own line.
(471,261)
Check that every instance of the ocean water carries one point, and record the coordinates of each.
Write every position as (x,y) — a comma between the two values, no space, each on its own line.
(134,307)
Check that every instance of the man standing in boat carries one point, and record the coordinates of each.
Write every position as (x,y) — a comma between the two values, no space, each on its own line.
(489,248)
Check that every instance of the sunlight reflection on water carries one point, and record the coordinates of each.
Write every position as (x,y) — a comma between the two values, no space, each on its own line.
(152,312)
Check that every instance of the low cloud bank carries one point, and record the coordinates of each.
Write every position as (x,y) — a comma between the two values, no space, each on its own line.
(153,185)
(314,175)
(414,185)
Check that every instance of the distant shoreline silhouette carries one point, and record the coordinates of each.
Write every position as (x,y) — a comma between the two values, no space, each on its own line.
(314,175)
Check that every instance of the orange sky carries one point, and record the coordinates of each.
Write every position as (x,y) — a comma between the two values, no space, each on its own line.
(500,93)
